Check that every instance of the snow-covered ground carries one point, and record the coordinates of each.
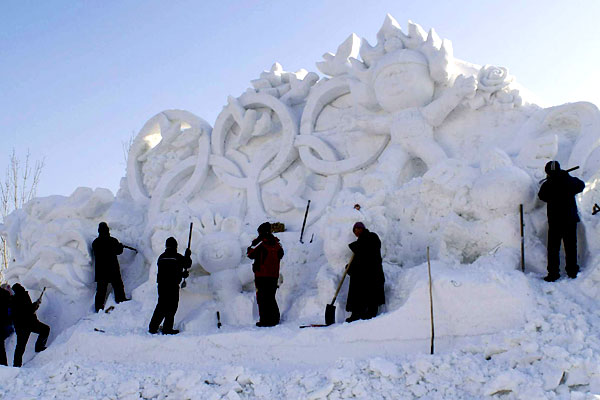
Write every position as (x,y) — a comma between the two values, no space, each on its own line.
(554,355)
(438,153)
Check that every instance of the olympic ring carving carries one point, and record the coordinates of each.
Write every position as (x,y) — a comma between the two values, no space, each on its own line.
(161,130)
(320,96)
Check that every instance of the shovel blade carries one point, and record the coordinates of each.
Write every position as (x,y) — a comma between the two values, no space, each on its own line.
(329,314)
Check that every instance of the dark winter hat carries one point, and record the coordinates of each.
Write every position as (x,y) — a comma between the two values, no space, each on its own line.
(265,227)
(171,243)
(103,227)
(358,225)
(17,288)
(552,167)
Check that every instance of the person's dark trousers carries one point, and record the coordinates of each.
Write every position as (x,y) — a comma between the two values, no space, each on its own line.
(168,301)
(371,312)
(102,286)
(268,310)
(23,333)
(3,360)
(567,233)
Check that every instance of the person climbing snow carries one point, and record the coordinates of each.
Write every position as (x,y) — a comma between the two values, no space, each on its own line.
(266,251)
(172,268)
(559,192)
(366,291)
(25,320)
(105,250)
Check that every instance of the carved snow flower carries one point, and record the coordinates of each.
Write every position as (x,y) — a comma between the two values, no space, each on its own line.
(493,88)
(492,78)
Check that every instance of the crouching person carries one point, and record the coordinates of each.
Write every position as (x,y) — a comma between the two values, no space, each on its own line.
(25,320)
(172,268)
(266,251)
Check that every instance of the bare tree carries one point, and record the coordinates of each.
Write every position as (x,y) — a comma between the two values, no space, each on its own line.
(19,186)
(126,146)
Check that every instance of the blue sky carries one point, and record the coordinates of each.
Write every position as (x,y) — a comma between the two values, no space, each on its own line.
(79,78)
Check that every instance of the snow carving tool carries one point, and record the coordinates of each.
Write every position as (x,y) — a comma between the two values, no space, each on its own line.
(304,223)
(522,238)
(313,326)
(330,308)
(218,320)
(430,300)
(39,300)
(184,283)
(568,170)
(130,248)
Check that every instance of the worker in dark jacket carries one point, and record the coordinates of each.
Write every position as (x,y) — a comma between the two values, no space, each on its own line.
(105,251)
(6,324)
(172,268)
(366,291)
(266,251)
(25,320)
(559,192)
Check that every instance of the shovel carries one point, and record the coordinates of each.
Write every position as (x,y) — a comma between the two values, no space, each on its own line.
(330,308)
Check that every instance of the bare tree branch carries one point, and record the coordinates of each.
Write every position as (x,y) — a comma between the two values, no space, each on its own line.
(19,186)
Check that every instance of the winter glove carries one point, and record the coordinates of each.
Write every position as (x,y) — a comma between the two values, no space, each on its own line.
(188,252)
(186,273)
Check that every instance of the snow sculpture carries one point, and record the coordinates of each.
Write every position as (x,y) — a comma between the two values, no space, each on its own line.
(50,240)
(437,152)
(276,185)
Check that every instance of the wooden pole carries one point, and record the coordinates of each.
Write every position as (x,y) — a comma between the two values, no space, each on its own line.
(430,300)
(184,283)
(304,223)
(522,239)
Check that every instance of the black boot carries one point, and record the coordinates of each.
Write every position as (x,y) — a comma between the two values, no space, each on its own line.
(551,278)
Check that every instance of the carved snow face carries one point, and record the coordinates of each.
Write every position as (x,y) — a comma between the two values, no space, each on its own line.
(403,85)
(220,251)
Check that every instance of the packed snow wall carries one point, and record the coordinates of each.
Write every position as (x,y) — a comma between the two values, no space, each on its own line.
(425,149)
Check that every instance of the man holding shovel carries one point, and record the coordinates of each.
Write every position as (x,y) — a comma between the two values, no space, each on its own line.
(172,268)
(366,291)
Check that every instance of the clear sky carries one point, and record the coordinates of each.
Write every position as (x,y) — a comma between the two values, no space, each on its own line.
(78,78)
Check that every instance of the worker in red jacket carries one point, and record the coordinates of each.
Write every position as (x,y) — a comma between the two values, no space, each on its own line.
(266,251)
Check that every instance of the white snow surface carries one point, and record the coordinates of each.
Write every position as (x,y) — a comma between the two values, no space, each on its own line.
(437,152)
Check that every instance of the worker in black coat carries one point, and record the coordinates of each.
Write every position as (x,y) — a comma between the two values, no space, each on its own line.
(105,251)
(25,320)
(172,268)
(366,291)
(6,324)
(559,192)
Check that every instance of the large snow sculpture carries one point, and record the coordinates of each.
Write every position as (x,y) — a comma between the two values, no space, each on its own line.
(437,152)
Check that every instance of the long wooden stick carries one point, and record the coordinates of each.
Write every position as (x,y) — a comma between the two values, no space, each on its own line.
(304,223)
(430,300)
(184,283)
(568,170)
(342,280)
(522,239)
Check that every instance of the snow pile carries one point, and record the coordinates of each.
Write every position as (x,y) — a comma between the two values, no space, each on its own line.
(425,149)
(555,354)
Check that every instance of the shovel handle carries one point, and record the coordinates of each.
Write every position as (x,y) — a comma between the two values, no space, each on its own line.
(342,280)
